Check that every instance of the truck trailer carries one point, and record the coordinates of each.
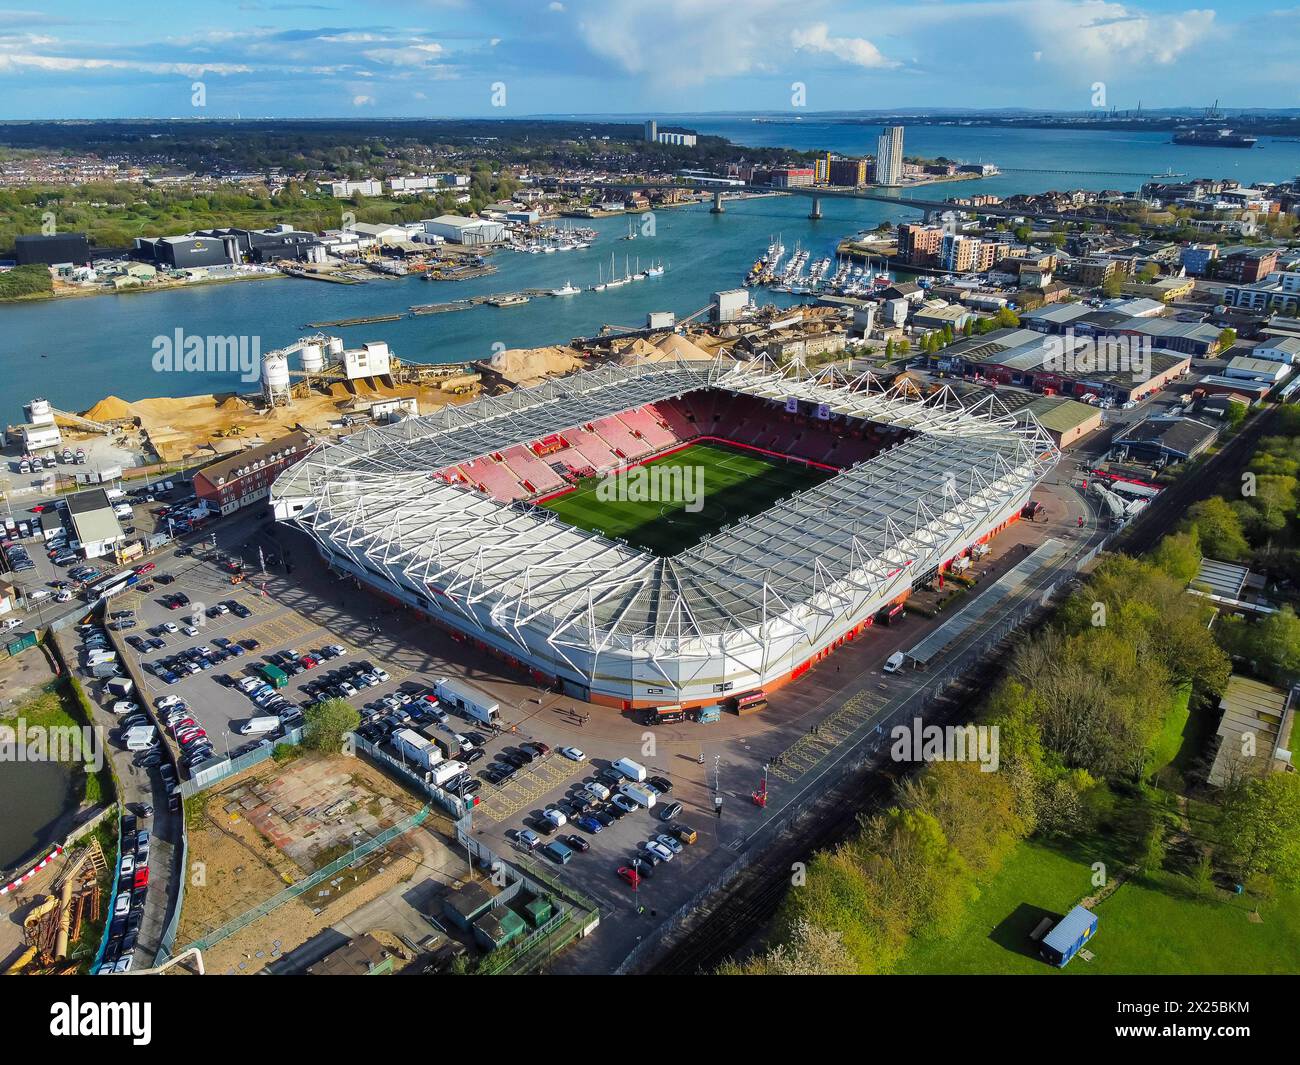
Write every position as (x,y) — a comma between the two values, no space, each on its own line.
(458,696)
(416,748)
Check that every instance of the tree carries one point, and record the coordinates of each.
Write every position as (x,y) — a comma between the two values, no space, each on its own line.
(1113,285)
(327,722)
(1227,337)
(1219,529)
(1179,555)
(1260,827)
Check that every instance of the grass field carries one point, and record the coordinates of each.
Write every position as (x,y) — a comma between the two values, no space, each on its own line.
(657,515)
(1150,925)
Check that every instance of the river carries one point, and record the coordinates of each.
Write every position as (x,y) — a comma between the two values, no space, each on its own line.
(75,351)
(38,799)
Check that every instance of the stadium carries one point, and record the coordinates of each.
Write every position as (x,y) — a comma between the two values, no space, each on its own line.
(534,523)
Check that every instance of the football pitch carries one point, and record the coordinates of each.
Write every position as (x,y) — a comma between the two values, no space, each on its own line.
(675,501)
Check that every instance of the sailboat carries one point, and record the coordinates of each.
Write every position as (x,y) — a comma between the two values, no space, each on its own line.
(599,286)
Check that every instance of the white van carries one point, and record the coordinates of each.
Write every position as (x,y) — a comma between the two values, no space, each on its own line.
(255,726)
(94,658)
(598,790)
(630,769)
(141,738)
(894,662)
(639,795)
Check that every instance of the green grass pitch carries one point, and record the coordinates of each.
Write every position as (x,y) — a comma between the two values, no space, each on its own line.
(733,484)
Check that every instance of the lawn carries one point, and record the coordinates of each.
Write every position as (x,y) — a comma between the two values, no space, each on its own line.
(1150,925)
(657,515)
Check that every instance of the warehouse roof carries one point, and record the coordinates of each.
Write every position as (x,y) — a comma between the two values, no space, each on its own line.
(1179,436)
(93,518)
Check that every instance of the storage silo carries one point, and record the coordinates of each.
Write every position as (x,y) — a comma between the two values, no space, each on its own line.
(275,380)
(313,358)
(336,348)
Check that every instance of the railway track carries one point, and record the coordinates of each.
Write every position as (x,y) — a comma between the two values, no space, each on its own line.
(1172,504)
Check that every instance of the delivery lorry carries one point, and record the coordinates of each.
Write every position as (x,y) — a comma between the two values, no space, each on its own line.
(416,750)
(634,771)
(445,771)
(638,793)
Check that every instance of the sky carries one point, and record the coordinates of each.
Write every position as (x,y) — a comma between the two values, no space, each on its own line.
(509,58)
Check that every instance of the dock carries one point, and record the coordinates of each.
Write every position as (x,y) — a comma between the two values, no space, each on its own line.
(369,319)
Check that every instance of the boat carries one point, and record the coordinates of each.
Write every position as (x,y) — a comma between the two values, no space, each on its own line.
(569,289)
(1213,132)
(508,301)
(654,271)
(1214,137)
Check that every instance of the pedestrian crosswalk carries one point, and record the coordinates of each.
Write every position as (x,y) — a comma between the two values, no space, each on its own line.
(806,752)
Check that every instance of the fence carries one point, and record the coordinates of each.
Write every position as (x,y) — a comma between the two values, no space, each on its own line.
(445,800)
(168,938)
(112,898)
(294,890)
(213,773)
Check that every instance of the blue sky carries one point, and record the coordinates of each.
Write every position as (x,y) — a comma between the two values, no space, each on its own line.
(412,58)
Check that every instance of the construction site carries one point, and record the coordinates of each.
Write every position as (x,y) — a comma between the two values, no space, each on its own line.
(55,922)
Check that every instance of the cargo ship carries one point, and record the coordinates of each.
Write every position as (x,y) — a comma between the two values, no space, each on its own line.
(1211,132)
(1215,137)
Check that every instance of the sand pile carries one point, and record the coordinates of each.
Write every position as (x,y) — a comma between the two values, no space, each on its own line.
(110,409)
(528,365)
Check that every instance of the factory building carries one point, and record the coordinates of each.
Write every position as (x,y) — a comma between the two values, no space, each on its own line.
(182,253)
(469,231)
(34,249)
(266,245)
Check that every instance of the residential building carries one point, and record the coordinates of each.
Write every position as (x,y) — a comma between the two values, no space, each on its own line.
(848,172)
(889,156)
(237,481)
(1248,265)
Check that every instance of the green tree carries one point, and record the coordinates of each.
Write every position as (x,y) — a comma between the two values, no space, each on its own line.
(1219,529)
(327,722)
(1227,337)
(1179,555)
(1260,827)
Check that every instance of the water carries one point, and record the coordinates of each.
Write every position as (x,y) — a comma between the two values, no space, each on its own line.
(38,799)
(76,351)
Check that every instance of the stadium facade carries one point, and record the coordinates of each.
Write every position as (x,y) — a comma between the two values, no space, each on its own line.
(439,513)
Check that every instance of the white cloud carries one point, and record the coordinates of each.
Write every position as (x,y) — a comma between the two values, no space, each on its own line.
(363,101)
(856,51)
(555,6)
(414,55)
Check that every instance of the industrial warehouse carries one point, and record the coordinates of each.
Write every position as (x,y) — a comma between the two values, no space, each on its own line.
(444,513)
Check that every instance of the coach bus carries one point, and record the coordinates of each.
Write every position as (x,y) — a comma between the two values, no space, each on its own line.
(750,702)
(110,585)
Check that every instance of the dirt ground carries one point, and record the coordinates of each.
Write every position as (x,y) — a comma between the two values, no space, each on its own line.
(273,826)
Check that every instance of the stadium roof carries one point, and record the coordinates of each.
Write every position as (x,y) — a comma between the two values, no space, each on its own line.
(794,567)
